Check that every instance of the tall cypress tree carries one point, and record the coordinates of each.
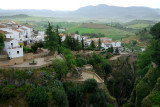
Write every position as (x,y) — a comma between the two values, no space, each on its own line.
(51,42)
(59,37)
(82,41)
(99,44)
(2,37)
(92,45)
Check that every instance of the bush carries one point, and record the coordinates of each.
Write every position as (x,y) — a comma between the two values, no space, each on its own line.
(68,56)
(90,85)
(27,50)
(8,92)
(100,64)
(37,98)
(75,96)
(60,98)
(34,47)
(81,61)
(60,67)
(99,98)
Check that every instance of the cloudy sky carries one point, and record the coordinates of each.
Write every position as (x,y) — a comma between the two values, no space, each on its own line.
(72,4)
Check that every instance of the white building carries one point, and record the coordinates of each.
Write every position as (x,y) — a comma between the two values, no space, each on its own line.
(15,33)
(12,48)
(29,32)
(40,36)
(105,42)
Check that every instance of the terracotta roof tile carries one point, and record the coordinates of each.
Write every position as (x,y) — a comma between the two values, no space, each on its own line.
(28,26)
(4,32)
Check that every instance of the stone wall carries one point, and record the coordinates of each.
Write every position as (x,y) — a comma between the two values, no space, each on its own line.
(28,56)
(12,61)
(3,57)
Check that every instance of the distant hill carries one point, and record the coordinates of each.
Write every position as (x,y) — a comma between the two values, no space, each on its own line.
(14,16)
(99,11)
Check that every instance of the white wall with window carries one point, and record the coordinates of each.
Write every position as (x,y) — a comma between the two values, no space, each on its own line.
(12,48)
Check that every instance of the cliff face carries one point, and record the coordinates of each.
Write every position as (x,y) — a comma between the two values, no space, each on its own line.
(120,81)
(146,92)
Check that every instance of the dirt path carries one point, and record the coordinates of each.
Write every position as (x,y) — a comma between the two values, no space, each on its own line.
(115,57)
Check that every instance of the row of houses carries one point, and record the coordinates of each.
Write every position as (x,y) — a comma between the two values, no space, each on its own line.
(16,34)
(105,42)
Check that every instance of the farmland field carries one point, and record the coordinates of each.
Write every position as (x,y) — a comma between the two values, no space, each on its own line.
(138,26)
(110,32)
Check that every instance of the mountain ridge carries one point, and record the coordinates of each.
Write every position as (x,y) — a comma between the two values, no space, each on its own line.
(99,11)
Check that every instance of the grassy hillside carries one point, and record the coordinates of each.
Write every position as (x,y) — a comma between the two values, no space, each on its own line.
(139,24)
(111,32)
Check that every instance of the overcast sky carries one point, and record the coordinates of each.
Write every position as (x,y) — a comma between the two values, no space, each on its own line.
(72,4)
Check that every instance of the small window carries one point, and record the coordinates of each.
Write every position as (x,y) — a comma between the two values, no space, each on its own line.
(12,44)
(17,52)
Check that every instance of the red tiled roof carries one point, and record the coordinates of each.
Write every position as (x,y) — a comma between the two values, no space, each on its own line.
(2,26)
(23,28)
(4,32)
(28,26)
(16,30)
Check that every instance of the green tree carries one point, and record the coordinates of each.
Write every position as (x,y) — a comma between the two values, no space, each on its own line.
(67,42)
(51,41)
(99,44)
(59,37)
(77,45)
(82,42)
(111,49)
(99,98)
(69,57)
(37,98)
(2,37)
(60,67)
(155,31)
(90,85)
(155,44)
(60,97)
(34,47)
(155,54)
(75,95)
(144,60)
(134,43)
(92,45)
(117,51)
(77,32)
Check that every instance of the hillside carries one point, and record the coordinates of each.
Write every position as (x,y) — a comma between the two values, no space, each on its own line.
(108,31)
(14,16)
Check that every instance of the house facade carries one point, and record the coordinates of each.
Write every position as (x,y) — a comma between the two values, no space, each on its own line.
(12,48)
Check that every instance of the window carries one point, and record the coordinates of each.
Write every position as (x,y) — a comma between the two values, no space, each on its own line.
(12,44)
(17,52)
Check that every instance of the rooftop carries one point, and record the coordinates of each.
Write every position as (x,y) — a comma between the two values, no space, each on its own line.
(4,32)
(28,26)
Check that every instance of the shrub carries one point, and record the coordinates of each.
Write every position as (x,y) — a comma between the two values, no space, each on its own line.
(80,62)
(60,67)
(8,92)
(99,98)
(90,85)
(60,98)
(37,98)
(75,96)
